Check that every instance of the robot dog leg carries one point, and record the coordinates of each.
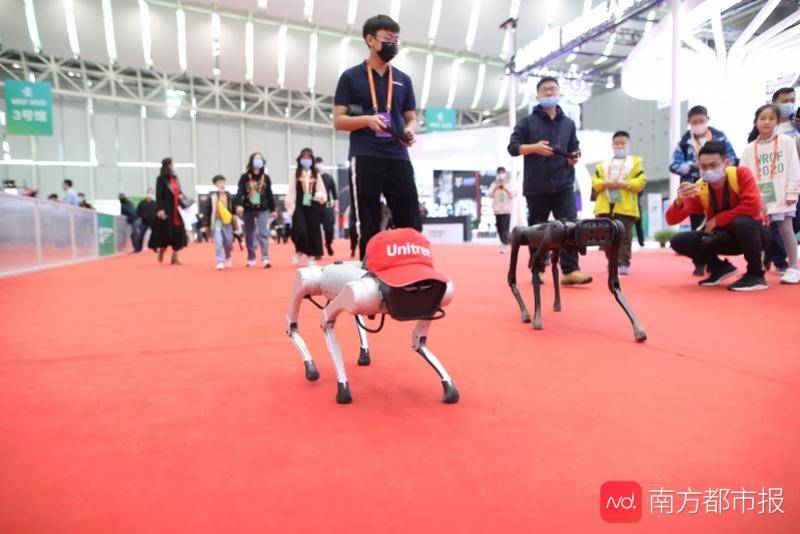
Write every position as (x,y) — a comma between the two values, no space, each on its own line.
(359,297)
(419,341)
(306,284)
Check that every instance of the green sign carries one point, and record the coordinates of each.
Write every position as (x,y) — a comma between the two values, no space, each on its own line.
(29,108)
(440,119)
(106,237)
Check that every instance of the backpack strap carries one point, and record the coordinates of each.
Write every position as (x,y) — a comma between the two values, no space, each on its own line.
(733,179)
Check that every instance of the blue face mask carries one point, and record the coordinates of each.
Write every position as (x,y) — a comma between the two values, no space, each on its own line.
(549,102)
(306,163)
(621,152)
(258,163)
(787,109)
(713,176)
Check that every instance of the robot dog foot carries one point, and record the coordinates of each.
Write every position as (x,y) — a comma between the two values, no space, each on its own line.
(311,371)
(363,357)
(451,395)
(343,393)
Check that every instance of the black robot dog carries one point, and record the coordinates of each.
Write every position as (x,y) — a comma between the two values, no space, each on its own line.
(555,236)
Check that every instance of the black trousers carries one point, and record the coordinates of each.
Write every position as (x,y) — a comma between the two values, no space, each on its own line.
(306,234)
(744,235)
(371,177)
(328,222)
(503,221)
(562,205)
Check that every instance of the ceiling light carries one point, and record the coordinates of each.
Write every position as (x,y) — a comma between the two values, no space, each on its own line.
(501,96)
(436,13)
(454,69)
(108,28)
(479,86)
(308,9)
(426,82)
(343,48)
(180,18)
(72,29)
(394,10)
(472,28)
(33,29)
(312,60)
(352,11)
(147,44)
(282,36)
(249,51)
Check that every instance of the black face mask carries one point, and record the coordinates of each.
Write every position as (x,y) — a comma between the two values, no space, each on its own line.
(388,51)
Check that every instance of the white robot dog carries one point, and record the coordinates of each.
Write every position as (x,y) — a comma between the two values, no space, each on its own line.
(396,278)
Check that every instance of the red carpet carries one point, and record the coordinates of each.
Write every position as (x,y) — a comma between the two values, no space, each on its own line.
(137,397)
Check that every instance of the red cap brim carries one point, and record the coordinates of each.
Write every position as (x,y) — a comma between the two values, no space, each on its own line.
(403,275)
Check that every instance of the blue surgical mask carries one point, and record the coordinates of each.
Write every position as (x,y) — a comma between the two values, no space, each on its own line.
(621,152)
(258,163)
(549,101)
(787,109)
(713,176)
(306,163)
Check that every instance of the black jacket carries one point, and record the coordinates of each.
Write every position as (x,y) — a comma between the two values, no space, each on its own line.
(127,210)
(545,175)
(267,200)
(147,210)
(330,187)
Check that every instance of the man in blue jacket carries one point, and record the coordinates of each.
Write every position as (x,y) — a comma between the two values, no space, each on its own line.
(684,158)
(549,182)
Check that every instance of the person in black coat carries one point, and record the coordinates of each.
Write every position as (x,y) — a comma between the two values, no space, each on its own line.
(127,211)
(255,204)
(169,230)
(306,196)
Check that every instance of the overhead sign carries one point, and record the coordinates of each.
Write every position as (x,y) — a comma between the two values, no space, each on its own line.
(440,119)
(29,107)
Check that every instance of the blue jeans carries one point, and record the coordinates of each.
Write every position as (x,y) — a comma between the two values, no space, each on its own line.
(256,228)
(223,241)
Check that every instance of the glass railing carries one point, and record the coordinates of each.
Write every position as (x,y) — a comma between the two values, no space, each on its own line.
(38,234)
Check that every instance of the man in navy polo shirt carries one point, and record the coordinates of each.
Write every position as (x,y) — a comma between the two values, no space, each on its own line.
(379,162)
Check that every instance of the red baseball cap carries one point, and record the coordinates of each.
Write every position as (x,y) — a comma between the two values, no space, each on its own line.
(401,257)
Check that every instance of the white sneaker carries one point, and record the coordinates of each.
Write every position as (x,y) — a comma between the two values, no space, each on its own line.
(251,263)
(296,259)
(266,264)
(220,265)
(228,263)
(503,249)
(791,276)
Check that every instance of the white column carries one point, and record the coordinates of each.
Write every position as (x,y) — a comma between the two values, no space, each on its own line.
(675,129)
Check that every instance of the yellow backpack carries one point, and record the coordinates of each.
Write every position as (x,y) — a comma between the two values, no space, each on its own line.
(733,182)
(224,215)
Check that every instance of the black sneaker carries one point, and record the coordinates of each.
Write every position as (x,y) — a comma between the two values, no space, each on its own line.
(329,250)
(718,275)
(749,282)
(699,270)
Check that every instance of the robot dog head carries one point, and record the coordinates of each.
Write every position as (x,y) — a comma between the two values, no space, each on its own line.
(401,260)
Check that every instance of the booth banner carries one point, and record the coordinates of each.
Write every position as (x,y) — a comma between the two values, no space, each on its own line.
(654,213)
(29,107)
(106,236)
(440,119)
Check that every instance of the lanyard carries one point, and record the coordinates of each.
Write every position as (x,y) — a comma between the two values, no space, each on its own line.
(306,181)
(621,167)
(372,89)
(774,160)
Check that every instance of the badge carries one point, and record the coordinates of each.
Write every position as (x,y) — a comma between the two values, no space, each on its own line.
(387,117)
(767,190)
(306,199)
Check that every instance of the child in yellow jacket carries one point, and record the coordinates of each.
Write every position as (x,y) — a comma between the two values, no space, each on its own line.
(618,183)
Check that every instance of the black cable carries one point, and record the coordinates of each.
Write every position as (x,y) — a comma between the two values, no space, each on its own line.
(314,302)
(371,331)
